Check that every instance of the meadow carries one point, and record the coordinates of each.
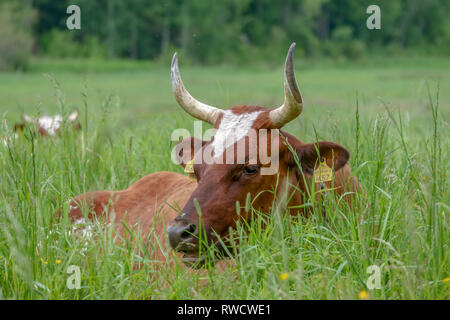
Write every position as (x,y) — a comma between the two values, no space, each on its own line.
(391,114)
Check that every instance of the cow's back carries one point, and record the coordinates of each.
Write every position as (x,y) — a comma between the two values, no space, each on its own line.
(148,205)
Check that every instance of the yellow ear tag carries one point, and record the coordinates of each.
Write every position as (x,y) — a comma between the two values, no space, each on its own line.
(323,173)
(189,169)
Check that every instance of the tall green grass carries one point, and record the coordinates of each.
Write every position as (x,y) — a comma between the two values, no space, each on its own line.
(399,223)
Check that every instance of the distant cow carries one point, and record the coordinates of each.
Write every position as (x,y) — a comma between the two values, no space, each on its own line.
(48,125)
(151,202)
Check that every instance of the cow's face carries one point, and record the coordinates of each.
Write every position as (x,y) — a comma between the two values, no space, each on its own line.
(225,184)
(237,165)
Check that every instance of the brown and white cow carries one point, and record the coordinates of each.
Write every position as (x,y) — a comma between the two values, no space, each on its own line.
(48,125)
(45,126)
(151,202)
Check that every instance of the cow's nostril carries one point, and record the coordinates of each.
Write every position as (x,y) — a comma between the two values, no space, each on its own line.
(182,236)
(188,232)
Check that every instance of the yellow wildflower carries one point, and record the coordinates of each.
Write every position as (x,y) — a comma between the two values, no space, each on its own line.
(284,276)
(58,261)
(363,295)
(43,261)
(446,280)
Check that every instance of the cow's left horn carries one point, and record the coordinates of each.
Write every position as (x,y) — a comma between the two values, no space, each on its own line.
(195,108)
(293,103)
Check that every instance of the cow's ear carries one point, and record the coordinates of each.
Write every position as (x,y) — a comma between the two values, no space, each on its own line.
(28,119)
(73,116)
(186,149)
(309,155)
(19,126)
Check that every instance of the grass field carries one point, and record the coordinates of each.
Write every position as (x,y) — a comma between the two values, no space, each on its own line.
(391,115)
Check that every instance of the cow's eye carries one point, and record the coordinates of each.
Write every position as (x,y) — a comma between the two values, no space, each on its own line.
(251,169)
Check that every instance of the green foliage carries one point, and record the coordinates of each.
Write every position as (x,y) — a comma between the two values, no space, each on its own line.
(62,44)
(239,32)
(343,44)
(15,37)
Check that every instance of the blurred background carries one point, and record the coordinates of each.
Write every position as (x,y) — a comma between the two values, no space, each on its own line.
(230,52)
(216,32)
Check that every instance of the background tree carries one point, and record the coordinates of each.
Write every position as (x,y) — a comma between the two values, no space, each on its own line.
(236,31)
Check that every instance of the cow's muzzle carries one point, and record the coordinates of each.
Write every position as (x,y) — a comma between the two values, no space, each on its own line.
(183,235)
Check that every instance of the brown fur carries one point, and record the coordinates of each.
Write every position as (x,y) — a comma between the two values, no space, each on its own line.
(152,198)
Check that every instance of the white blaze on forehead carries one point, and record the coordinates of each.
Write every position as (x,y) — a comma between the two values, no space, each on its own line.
(232,128)
(50,124)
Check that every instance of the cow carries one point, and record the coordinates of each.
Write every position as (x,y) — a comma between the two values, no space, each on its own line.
(176,208)
(47,126)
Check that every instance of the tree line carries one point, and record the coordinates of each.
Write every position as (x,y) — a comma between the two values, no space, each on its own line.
(208,31)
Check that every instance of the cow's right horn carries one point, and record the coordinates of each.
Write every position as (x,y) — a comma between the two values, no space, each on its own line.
(192,106)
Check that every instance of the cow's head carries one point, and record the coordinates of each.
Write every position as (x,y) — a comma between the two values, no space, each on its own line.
(238,173)
(48,125)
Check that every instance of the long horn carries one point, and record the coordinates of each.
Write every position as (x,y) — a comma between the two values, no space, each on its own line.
(195,108)
(293,103)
